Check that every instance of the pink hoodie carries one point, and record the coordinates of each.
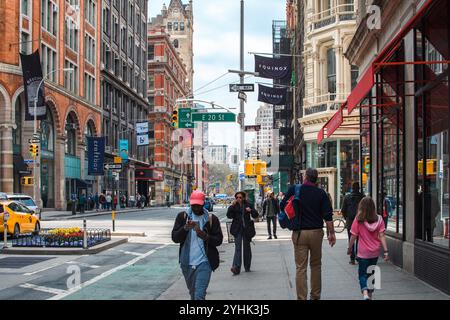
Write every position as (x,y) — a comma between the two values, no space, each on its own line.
(368,242)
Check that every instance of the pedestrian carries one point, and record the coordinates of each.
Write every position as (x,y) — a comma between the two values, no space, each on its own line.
(271,208)
(108,201)
(349,211)
(102,201)
(115,202)
(368,227)
(138,200)
(312,209)
(82,202)
(143,200)
(243,230)
(96,201)
(199,234)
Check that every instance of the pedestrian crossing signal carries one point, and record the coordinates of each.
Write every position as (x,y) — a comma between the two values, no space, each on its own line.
(27,181)
(175,119)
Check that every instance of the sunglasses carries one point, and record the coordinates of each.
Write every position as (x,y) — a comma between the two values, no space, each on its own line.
(239,198)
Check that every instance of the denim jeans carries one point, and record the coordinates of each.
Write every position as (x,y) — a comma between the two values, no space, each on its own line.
(355,246)
(240,241)
(197,279)
(364,264)
(274,221)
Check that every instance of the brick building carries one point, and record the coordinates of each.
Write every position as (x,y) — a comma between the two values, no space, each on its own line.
(66,38)
(167,82)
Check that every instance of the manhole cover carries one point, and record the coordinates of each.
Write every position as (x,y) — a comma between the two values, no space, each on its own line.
(20,262)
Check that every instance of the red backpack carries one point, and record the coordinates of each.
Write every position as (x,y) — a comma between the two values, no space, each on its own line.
(289,208)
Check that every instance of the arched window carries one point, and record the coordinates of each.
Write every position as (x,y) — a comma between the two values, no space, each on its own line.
(71,135)
(47,132)
(175,43)
(89,131)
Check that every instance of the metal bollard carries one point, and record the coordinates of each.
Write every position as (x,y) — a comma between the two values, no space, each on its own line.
(5,236)
(85,246)
(113,213)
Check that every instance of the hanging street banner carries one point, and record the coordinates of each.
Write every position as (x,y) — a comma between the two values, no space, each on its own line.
(273,68)
(141,134)
(96,155)
(32,77)
(275,96)
(123,147)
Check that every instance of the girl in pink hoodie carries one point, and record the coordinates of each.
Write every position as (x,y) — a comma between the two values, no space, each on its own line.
(368,227)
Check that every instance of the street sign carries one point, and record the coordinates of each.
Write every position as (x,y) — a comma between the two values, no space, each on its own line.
(255,128)
(242,96)
(184,118)
(28,161)
(112,166)
(214,117)
(34,140)
(242,176)
(242,87)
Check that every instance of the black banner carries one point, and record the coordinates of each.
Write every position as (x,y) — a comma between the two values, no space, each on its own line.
(32,77)
(96,155)
(275,96)
(273,68)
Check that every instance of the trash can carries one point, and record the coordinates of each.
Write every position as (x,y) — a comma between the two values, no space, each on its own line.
(230,236)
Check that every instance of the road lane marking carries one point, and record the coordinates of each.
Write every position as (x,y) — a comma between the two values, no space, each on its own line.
(40,270)
(42,289)
(132,253)
(105,274)
(82,264)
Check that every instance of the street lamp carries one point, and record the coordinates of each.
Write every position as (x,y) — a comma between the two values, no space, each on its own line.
(36,97)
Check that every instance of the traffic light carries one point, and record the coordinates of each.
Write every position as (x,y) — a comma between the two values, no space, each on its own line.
(249,168)
(175,119)
(34,149)
(27,181)
(366,168)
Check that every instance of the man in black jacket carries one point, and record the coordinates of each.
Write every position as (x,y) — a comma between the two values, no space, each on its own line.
(199,234)
(349,211)
(243,229)
(271,208)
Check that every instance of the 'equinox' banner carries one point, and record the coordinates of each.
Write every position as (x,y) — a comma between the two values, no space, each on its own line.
(275,96)
(32,77)
(273,68)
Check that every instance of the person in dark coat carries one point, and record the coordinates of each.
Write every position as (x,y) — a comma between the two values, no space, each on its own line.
(199,234)
(271,208)
(349,211)
(241,212)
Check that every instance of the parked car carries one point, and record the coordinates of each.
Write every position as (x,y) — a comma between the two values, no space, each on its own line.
(209,204)
(25,200)
(21,218)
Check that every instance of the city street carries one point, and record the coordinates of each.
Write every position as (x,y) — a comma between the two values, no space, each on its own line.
(147,268)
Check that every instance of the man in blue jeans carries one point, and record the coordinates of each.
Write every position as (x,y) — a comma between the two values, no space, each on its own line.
(199,234)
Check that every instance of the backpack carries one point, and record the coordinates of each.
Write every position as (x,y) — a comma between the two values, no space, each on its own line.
(288,219)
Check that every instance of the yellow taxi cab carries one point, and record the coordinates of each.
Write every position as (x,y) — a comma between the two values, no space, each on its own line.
(21,219)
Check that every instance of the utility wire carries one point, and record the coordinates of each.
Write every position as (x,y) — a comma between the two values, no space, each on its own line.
(217,88)
(209,83)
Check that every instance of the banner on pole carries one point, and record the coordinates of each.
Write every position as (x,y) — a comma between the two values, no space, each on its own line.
(32,77)
(273,68)
(275,96)
(123,147)
(96,155)
(142,134)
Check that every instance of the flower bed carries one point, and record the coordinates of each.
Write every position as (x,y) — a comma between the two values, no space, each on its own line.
(63,237)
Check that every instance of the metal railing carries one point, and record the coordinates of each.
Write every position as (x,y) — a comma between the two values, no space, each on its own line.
(342,12)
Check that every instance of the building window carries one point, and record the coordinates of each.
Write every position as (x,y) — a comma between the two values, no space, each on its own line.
(49,16)
(151,52)
(89,49)
(49,63)
(169,26)
(90,12)
(71,33)
(175,43)
(331,73)
(71,135)
(25,7)
(116,31)
(71,78)
(181,26)
(175,26)
(354,76)
(25,43)
(89,88)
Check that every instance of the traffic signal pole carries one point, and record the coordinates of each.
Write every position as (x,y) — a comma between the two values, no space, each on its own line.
(241,76)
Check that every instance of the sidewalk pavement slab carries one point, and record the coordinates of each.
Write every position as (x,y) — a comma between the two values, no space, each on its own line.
(273,277)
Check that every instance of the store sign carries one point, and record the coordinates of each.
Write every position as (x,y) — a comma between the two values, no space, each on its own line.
(96,155)
(273,68)
(275,96)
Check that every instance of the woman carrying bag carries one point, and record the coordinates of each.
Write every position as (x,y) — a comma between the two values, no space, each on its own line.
(243,230)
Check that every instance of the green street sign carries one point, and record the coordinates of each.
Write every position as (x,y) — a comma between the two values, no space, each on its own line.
(214,117)
(184,118)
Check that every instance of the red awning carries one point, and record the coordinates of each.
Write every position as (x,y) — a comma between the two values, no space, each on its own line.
(367,81)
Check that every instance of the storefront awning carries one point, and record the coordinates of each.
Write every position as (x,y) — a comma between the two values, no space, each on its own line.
(367,81)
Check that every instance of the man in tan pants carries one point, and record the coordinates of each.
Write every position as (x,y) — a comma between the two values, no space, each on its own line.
(313,208)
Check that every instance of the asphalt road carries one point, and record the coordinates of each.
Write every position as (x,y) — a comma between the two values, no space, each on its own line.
(142,269)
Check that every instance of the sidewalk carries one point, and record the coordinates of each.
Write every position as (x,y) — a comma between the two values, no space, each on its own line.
(273,277)
(67,215)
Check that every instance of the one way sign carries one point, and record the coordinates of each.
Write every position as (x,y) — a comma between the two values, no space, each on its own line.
(242,87)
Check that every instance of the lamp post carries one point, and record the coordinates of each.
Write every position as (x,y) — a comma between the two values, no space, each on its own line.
(36,97)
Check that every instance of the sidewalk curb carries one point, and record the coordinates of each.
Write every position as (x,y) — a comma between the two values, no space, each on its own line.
(96,214)
(128,234)
(66,251)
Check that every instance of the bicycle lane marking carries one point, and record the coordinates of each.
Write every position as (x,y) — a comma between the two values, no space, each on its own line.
(106,274)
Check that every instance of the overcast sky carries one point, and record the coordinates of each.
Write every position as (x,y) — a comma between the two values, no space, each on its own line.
(216,50)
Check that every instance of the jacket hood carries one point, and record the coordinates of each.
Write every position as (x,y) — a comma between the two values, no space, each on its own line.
(373,226)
